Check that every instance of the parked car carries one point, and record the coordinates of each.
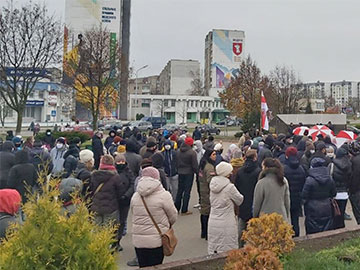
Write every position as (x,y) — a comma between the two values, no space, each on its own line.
(141,125)
(209,129)
(230,122)
(115,125)
(157,122)
(353,129)
(172,127)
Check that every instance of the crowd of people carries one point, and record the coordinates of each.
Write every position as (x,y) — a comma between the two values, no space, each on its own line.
(276,173)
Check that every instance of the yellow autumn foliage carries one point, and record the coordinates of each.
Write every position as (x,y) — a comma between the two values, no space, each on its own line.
(270,232)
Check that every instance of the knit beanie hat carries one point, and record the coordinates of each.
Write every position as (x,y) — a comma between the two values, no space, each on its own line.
(121,149)
(291,151)
(224,169)
(341,152)
(151,172)
(150,144)
(120,158)
(320,146)
(86,155)
(182,137)
(189,141)
(107,160)
(146,162)
(117,139)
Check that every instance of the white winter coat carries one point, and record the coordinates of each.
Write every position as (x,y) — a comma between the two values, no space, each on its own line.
(223,228)
(162,208)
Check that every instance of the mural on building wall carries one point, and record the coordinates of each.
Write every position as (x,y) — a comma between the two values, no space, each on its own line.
(228,48)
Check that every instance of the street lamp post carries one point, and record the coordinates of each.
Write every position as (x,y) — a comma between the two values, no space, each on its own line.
(136,82)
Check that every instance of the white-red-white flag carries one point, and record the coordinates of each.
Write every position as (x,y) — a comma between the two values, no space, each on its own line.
(264,110)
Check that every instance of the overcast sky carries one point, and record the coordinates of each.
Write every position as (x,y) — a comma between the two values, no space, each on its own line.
(320,39)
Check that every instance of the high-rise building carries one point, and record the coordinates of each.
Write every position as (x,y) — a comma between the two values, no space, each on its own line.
(224,51)
(114,15)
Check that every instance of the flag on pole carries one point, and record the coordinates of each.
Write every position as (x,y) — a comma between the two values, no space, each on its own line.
(264,110)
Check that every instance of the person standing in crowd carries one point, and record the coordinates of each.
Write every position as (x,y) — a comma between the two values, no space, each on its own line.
(49,140)
(158,163)
(295,174)
(354,183)
(206,173)
(272,193)
(10,135)
(84,168)
(7,161)
(57,156)
(151,148)
(318,189)
(198,148)
(97,148)
(321,153)
(114,145)
(126,176)
(279,151)
(40,158)
(106,189)
(245,182)
(29,143)
(209,144)
(22,174)
(10,201)
(68,187)
(222,227)
(146,239)
(237,161)
(71,157)
(17,140)
(265,152)
(187,166)
(305,159)
(109,140)
(340,170)
(196,134)
(132,158)
(219,150)
(170,167)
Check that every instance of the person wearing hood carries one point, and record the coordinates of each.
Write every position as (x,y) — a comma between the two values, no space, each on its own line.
(17,141)
(109,140)
(114,145)
(318,189)
(71,157)
(206,173)
(296,175)
(301,147)
(145,237)
(97,148)
(320,152)
(230,152)
(132,158)
(209,144)
(272,193)
(354,183)
(49,140)
(7,161)
(84,167)
(340,170)
(266,150)
(279,151)
(305,159)
(170,167)
(237,161)
(10,201)
(158,163)
(219,150)
(187,166)
(222,227)
(40,158)
(22,174)
(10,135)
(68,187)
(245,182)
(57,156)
(107,189)
(126,176)
(328,143)
(199,150)
(197,134)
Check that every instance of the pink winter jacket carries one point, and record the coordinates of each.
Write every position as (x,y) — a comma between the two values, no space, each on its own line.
(162,208)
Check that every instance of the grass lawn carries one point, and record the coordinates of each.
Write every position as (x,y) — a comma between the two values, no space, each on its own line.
(345,256)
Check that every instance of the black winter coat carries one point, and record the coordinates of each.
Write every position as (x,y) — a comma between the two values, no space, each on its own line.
(71,160)
(187,160)
(127,177)
(7,160)
(22,175)
(107,199)
(97,147)
(41,159)
(319,188)
(341,173)
(133,160)
(354,184)
(82,173)
(265,152)
(170,164)
(295,174)
(245,182)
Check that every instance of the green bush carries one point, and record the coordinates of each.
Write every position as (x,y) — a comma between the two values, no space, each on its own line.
(48,239)
(357,126)
(69,135)
(238,134)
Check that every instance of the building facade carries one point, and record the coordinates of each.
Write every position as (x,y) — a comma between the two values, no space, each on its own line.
(178,76)
(344,93)
(224,51)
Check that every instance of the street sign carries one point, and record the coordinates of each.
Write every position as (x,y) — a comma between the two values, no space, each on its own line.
(53,113)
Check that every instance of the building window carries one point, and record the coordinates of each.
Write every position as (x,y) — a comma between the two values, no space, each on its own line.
(173,102)
(197,103)
(165,103)
(41,94)
(145,105)
(188,116)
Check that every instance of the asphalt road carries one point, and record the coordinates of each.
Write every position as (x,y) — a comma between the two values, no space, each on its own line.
(187,229)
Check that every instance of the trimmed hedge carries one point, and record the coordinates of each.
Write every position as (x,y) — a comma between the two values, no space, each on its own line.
(69,135)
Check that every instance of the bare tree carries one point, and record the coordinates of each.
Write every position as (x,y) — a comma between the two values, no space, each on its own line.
(183,111)
(94,69)
(329,102)
(162,105)
(197,85)
(4,111)
(287,89)
(30,42)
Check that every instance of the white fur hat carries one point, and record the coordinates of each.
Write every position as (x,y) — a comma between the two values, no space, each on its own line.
(218,147)
(224,169)
(86,155)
